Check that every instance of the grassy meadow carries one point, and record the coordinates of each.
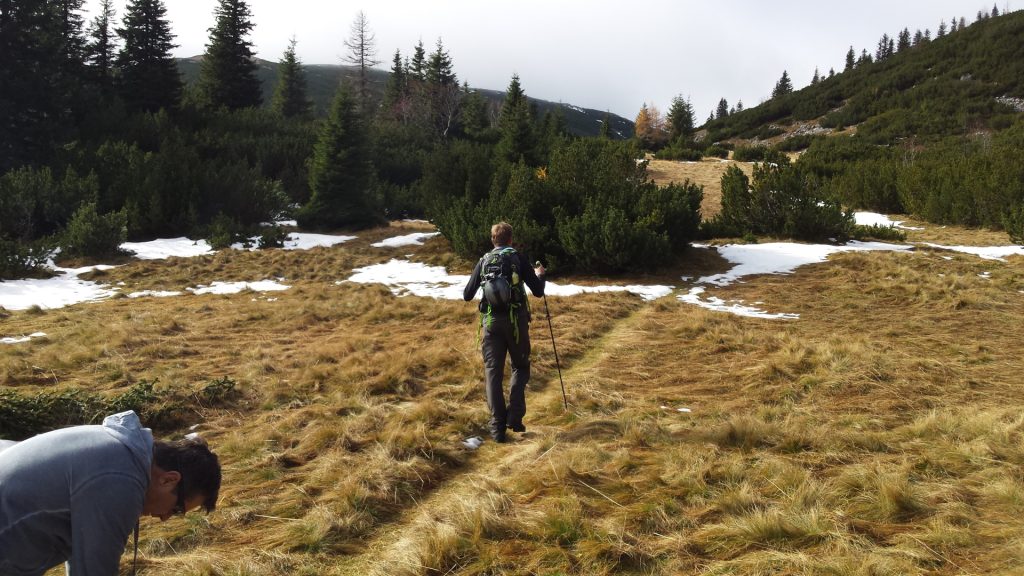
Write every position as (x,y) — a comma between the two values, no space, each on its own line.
(881,433)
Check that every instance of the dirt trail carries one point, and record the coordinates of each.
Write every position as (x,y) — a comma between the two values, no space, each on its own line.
(394,548)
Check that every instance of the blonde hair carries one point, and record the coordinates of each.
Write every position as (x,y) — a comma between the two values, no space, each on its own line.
(501,234)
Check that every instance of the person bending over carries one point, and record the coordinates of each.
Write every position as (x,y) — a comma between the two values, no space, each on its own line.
(74,495)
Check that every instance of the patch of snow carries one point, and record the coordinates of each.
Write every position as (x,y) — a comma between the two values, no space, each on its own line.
(783,257)
(646,292)
(406,278)
(987,252)
(769,258)
(413,278)
(307,240)
(297,241)
(736,307)
(64,289)
(218,287)
(155,294)
(415,239)
(873,219)
(167,247)
(19,340)
(414,221)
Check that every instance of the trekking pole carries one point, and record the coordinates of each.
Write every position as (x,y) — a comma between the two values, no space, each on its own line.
(557,364)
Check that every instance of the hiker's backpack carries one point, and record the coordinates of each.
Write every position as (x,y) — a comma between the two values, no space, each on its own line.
(503,288)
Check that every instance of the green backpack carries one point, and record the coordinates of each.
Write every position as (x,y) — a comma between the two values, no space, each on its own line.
(503,288)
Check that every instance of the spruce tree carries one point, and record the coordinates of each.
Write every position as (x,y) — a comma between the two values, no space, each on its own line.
(290,97)
(418,65)
(783,86)
(723,108)
(101,49)
(606,129)
(40,69)
(340,172)
(995,11)
(942,29)
(362,53)
(515,123)
(904,40)
(680,120)
(149,78)
(850,55)
(395,89)
(739,105)
(439,68)
(227,76)
(816,78)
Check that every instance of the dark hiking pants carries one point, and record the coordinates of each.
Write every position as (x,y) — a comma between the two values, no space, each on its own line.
(499,339)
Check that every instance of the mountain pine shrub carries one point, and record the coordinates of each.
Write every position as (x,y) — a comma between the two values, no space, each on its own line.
(94,235)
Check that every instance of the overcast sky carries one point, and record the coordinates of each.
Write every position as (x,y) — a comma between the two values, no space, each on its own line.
(601,54)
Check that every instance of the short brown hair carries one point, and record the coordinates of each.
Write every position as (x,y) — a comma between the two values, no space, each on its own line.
(198,466)
(501,234)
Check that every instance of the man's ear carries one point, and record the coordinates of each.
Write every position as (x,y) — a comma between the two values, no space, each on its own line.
(169,478)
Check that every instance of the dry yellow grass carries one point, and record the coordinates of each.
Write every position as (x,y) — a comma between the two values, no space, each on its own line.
(707,173)
(878,434)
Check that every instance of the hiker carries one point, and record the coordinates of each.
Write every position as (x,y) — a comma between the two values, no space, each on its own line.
(505,321)
(74,495)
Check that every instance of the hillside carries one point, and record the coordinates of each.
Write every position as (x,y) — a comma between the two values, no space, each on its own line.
(877,432)
(967,81)
(322,81)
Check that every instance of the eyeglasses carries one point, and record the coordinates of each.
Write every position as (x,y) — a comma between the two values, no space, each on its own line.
(179,506)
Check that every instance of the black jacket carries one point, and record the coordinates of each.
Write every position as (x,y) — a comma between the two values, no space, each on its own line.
(526,274)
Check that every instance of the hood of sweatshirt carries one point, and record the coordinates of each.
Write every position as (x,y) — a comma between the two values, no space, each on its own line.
(128,430)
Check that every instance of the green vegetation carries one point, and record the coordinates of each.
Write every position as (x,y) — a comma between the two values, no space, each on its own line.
(937,130)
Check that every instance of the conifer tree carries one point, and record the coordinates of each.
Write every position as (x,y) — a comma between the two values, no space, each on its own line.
(904,40)
(340,173)
(918,38)
(942,30)
(739,105)
(442,91)
(849,60)
(963,23)
(953,25)
(680,121)
(723,109)
(362,53)
(290,96)
(149,78)
(882,51)
(418,65)
(995,11)
(783,86)
(865,58)
(101,49)
(395,89)
(816,78)
(515,122)
(42,67)
(831,72)
(227,76)
(439,70)
(606,129)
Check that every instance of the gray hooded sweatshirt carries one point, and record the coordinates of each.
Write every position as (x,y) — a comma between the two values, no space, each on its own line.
(73,495)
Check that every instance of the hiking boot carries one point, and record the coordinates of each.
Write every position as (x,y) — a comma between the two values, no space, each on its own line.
(499,438)
(518,428)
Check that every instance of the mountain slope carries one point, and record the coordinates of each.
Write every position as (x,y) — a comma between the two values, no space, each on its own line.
(966,81)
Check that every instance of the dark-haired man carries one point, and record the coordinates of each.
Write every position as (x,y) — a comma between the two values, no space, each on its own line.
(74,495)
(505,326)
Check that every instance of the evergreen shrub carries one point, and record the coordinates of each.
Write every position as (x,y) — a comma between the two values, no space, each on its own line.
(94,235)
(783,201)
